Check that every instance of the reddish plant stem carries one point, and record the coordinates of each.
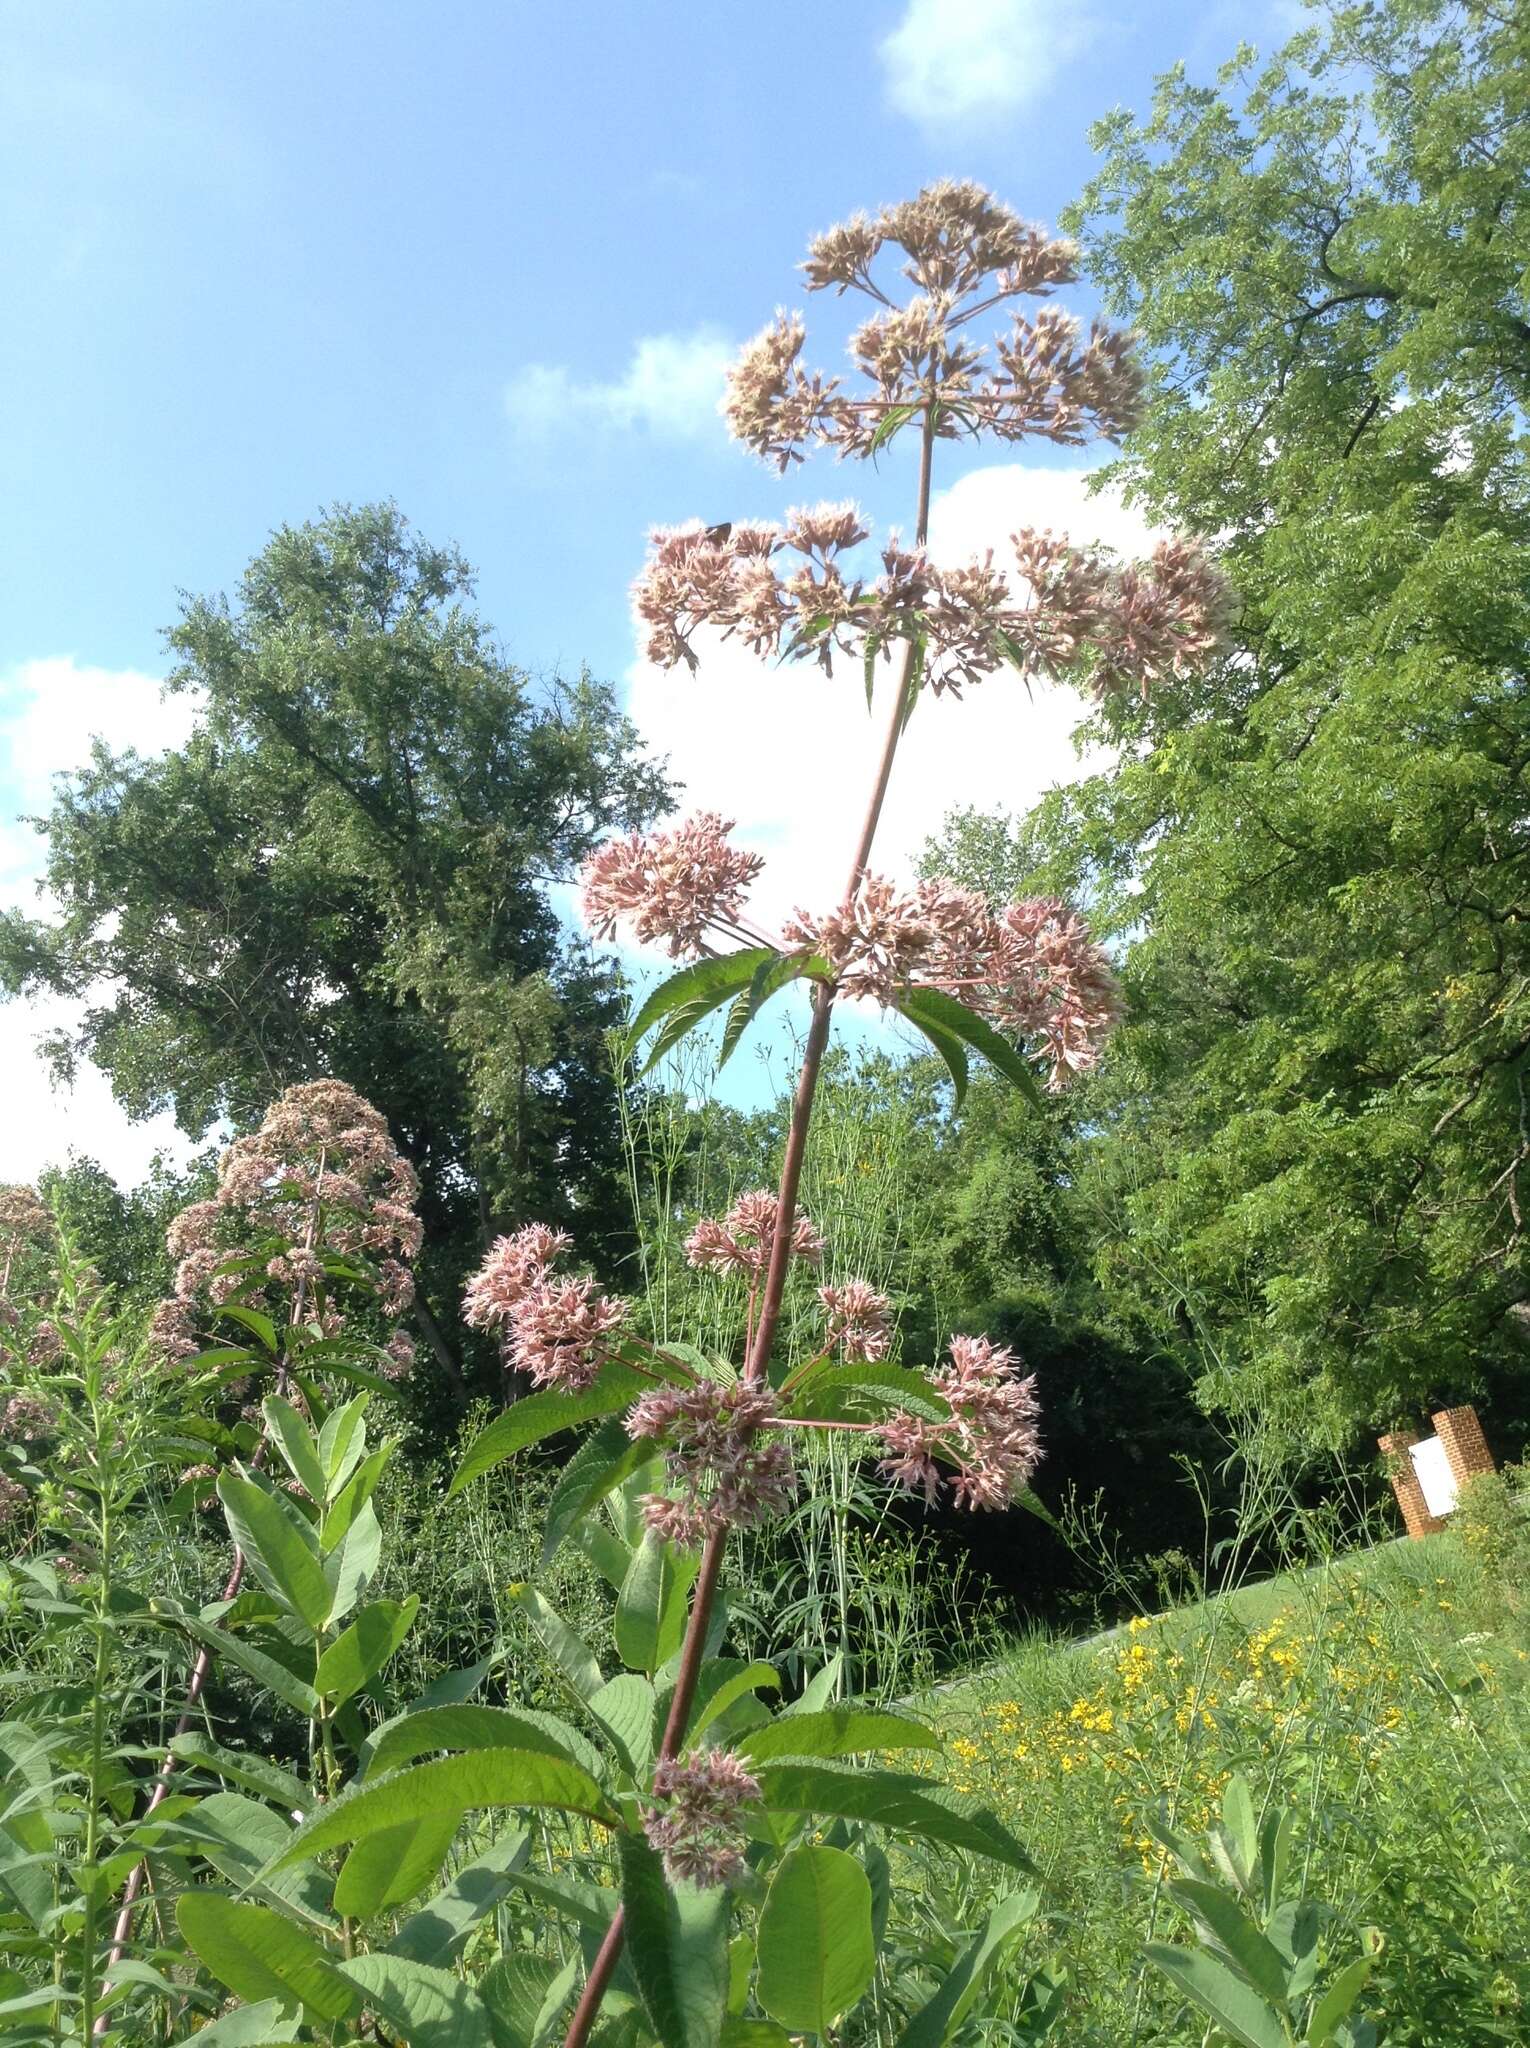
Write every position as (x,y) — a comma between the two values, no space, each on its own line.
(759,1349)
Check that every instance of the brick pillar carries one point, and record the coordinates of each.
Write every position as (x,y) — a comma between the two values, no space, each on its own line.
(1417,1519)
(1466,1450)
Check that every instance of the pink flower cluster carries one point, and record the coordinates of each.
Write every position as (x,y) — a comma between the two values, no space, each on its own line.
(742,1242)
(965,254)
(321,1176)
(857,1321)
(1068,612)
(672,886)
(696,1830)
(1031,968)
(559,1330)
(991,1436)
(730,1475)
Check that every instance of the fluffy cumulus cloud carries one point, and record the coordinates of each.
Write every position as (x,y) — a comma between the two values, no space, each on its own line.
(788,752)
(960,63)
(670,388)
(50,710)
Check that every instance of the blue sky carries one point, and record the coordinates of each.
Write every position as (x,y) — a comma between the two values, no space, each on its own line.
(488,259)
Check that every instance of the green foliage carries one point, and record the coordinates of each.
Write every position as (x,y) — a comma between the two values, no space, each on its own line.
(341,873)
(1307,1152)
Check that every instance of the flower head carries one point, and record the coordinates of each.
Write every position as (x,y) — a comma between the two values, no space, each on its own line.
(511,1268)
(673,887)
(695,1823)
(321,1177)
(728,1474)
(857,1321)
(743,1241)
(990,1437)
(563,1331)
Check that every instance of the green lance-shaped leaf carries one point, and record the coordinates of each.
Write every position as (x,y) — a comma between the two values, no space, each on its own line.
(241,1767)
(932,1006)
(678,1945)
(650,1614)
(602,1462)
(343,1442)
(281,1547)
(816,1950)
(365,1647)
(1234,2006)
(567,1648)
(542,1415)
(906,1804)
(709,981)
(259,1955)
(465,1725)
(254,1320)
(250,2026)
(1335,2004)
(766,981)
(395,1864)
(350,1568)
(489,1777)
(526,1993)
(832,1391)
(838,1731)
(1238,1835)
(939,2017)
(722,1682)
(265,1670)
(291,1435)
(1220,1913)
(443,1923)
(429,2008)
(353,1497)
(624,1708)
(948,1045)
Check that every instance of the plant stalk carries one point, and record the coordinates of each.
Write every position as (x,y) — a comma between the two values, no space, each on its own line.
(697,1628)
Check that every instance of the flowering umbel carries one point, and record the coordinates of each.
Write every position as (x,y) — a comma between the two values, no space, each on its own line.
(694,1824)
(559,1330)
(729,1473)
(319,1194)
(990,1439)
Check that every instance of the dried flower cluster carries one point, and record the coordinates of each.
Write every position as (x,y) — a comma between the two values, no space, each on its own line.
(729,1472)
(1064,611)
(743,1241)
(670,886)
(696,1829)
(991,1435)
(559,1330)
(321,1178)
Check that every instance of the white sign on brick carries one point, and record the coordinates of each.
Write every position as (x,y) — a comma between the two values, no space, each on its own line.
(1436,1480)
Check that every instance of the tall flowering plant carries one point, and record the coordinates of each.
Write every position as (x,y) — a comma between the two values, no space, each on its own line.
(750,1890)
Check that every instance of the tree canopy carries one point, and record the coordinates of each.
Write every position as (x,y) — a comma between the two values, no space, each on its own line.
(1315,1136)
(344,871)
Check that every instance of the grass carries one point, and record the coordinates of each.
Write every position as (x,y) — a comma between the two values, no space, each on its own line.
(1385,1698)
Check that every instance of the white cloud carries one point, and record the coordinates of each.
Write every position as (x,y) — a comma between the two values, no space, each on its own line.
(789,752)
(49,712)
(955,63)
(671,388)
